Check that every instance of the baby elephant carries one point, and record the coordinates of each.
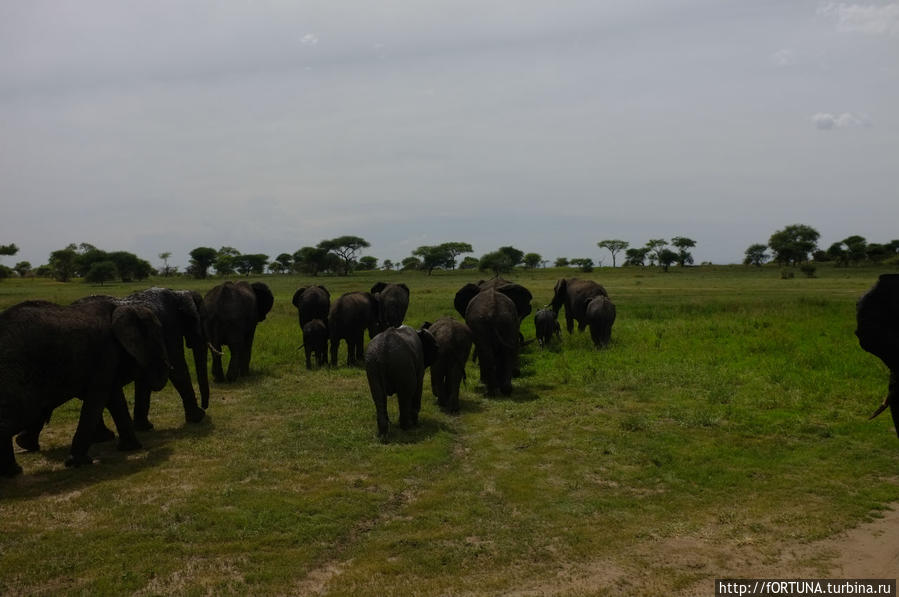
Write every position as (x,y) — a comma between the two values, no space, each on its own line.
(395,362)
(547,326)
(454,340)
(600,316)
(315,341)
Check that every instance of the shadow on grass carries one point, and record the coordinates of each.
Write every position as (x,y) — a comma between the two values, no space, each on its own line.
(426,428)
(109,463)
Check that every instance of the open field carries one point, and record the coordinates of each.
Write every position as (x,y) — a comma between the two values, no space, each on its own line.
(723,433)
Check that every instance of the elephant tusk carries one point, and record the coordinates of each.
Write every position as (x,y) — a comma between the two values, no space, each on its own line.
(300,346)
(881,408)
(212,348)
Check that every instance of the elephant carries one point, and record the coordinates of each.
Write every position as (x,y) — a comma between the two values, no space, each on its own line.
(232,311)
(547,325)
(51,353)
(520,295)
(312,302)
(180,313)
(877,329)
(395,363)
(315,341)
(454,340)
(573,294)
(350,316)
(393,301)
(494,321)
(600,316)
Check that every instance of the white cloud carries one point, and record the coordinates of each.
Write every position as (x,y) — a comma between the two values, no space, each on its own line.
(826,121)
(783,58)
(310,39)
(868,19)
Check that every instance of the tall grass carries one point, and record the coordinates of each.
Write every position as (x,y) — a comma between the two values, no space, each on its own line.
(730,410)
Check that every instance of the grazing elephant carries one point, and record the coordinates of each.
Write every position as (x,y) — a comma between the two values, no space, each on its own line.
(232,311)
(573,294)
(547,325)
(312,302)
(454,340)
(393,301)
(494,322)
(877,318)
(350,316)
(395,362)
(315,341)
(600,316)
(51,353)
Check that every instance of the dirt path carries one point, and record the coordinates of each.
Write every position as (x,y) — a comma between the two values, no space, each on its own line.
(870,550)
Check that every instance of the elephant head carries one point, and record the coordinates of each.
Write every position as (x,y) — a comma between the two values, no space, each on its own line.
(428,345)
(139,332)
(264,299)
(877,318)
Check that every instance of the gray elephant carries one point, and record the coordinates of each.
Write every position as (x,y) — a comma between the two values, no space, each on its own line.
(519,295)
(493,318)
(395,363)
(315,341)
(232,311)
(600,316)
(312,302)
(546,324)
(51,353)
(877,329)
(573,294)
(393,302)
(454,340)
(350,316)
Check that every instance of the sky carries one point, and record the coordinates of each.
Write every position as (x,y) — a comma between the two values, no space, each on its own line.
(267,126)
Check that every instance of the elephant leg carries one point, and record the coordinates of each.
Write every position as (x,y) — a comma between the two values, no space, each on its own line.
(569,322)
(308,357)
(218,373)
(335,344)
(248,352)
(581,326)
(29,439)
(234,365)
(488,370)
(438,382)
(8,465)
(142,406)
(360,345)
(893,397)
(102,433)
(180,378)
(453,382)
(379,396)
(91,412)
(118,408)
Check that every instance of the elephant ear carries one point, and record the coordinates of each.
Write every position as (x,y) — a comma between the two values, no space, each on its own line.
(520,295)
(140,334)
(328,294)
(464,296)
(559,293)
(428,346)
(404,287)
(378,287)
(296,297)
(264,299)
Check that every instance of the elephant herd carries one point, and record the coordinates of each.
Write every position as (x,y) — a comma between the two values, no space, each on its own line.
(91,349)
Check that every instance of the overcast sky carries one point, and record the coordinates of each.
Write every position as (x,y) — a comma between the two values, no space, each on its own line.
(164,125)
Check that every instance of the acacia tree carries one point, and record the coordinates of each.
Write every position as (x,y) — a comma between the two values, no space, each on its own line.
(654,249)
(614,246)
(201,259)
(756,255)
(636,256)
(310,260)
(62,264)
(346,248)
(498,262)
(23,268)
(532,260)
(666,258)
(100,272)
(434,256)
(683,255)
(856,248)
(792,245)
(453,250)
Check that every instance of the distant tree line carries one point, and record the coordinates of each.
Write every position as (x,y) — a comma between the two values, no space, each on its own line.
(797,245)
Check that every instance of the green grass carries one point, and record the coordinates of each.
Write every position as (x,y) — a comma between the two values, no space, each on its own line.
(729,412)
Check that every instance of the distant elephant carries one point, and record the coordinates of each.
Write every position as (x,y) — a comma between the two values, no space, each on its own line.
(350,316)
(573,294)
(232,311)
(877,329)
(312,302)
(315,341)
(600,316)
(454,340)
(51,353)
(395,362)
(393,302)
(494,321)
(519,295)
(546,324)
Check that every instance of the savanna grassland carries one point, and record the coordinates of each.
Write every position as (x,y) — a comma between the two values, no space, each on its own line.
(723,433)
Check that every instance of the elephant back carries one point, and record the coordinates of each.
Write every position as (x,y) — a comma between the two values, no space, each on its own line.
(393,302)
(877,320)
(351,311)
(491,315)
(312,302)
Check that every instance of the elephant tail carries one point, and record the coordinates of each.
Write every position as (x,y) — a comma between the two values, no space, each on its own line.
(212,348)
(881,408)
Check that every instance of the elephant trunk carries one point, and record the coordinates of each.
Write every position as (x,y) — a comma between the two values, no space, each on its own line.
(200,354)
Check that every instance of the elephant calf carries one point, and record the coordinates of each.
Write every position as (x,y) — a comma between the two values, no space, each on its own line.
(395,362)
(454,340)
(315,341)
(600,316)
(547,325)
